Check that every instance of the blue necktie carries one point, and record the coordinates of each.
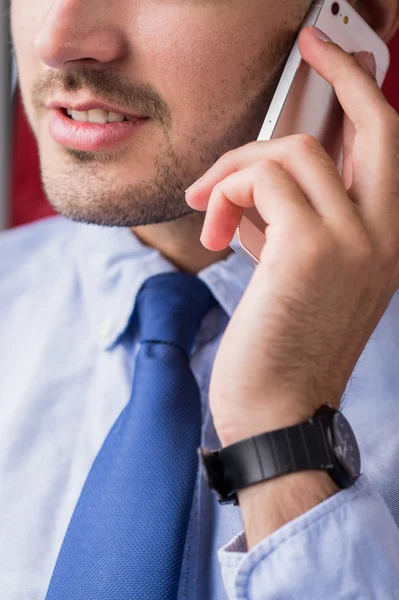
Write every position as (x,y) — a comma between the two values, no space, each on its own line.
(126,537)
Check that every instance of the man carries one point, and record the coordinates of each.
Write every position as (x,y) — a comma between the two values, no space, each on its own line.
(192,81)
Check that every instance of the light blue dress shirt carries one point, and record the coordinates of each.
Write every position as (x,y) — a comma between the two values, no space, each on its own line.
(67,291)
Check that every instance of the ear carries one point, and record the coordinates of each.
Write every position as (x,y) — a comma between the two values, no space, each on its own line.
(381,15)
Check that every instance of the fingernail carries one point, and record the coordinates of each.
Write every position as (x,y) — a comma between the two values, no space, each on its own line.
(320,34)
(194,185)
(202,239)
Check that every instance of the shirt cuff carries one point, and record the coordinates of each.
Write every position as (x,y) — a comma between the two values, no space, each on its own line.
(345,547)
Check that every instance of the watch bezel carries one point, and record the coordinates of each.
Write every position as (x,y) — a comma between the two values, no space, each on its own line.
(341,474)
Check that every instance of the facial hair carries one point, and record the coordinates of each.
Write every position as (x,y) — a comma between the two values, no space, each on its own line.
(84,191)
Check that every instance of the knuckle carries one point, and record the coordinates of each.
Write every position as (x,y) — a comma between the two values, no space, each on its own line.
(266,167)
(310,145)
(253,144)
(316,249)
(386,123)
(269,172)
(307,143)
(228,156)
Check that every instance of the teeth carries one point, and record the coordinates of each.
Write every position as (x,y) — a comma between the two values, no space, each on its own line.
(96,115)
(115,118)
(79,116)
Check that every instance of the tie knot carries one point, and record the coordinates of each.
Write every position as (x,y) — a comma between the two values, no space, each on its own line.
(170,307)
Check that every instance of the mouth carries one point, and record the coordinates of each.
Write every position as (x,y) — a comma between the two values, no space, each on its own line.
(93,130)
(97,116)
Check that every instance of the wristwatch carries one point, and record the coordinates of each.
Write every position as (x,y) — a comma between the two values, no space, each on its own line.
(324,443)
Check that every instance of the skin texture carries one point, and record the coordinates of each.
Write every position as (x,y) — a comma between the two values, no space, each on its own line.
(313,303)
(179,63)
(184,62)
(205,70)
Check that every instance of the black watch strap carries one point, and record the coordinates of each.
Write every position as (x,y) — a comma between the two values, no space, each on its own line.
(299,448)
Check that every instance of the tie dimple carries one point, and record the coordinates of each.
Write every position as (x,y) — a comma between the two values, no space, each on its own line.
(170,308)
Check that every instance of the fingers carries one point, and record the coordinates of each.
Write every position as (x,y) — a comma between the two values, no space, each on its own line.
(366,199)
(358,93)
(371,153)
(268,186)
(305,161)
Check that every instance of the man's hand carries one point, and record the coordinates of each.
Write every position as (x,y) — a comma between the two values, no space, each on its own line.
(330,263)
(328,271)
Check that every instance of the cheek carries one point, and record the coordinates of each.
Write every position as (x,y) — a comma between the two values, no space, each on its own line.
(196,63)
(210,67)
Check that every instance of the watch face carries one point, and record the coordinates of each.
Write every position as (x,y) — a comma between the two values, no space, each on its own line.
(345,445)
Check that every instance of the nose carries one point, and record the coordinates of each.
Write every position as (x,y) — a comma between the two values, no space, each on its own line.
(77,33)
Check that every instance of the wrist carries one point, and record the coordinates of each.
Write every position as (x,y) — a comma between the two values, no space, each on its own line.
(253,422)
(269,505)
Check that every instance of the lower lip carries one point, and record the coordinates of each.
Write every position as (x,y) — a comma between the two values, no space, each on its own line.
(91,137)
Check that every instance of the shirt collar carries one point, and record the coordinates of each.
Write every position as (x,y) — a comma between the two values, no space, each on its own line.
(228,279)
(114,264)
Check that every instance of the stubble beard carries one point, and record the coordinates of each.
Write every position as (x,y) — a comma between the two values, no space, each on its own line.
(83,192)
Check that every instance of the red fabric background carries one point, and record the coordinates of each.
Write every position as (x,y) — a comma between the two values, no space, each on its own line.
(28,200)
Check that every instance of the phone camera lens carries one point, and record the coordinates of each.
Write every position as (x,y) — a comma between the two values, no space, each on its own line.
(335,8)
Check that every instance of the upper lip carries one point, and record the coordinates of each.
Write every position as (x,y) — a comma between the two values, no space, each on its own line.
(90,105)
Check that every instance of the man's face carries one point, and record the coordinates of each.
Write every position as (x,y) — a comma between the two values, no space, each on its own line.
(202,72)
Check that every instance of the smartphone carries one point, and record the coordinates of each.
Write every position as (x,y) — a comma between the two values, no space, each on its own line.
(304,102)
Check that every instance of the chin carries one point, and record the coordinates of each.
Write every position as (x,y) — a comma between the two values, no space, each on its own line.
(129,206)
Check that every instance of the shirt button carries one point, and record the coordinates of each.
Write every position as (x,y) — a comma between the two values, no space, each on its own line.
(107,328)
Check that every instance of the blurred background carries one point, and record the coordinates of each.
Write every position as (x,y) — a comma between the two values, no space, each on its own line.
(25,201)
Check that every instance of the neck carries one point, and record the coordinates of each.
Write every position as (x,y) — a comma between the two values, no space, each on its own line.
(179,242)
